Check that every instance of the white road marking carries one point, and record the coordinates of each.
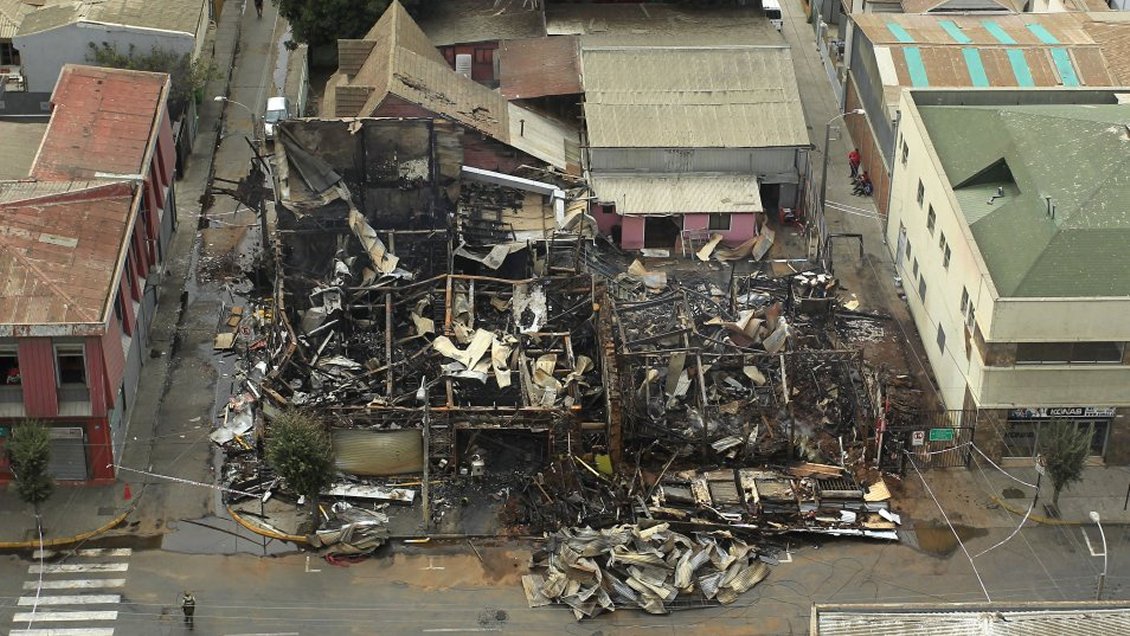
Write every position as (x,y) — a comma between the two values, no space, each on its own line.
(74,584)
(308,565)
(462,629)
(71,568)
(86,552)
(52,617)
(432,565)
(65,631)
(80,599)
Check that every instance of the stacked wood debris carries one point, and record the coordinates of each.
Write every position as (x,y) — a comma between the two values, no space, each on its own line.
(654,569)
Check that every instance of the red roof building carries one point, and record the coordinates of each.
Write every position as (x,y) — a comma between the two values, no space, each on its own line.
(81,244)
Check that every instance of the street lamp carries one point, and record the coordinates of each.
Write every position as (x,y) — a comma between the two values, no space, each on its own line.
(1102,577)
(254,117)
(827,141)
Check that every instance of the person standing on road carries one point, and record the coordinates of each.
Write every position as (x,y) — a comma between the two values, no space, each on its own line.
(259,7)
(188,606)
(853,161)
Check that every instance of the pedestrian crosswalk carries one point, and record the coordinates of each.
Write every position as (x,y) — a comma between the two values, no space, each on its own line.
(71,593)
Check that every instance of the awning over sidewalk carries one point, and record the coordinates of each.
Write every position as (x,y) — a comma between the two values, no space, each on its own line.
(665,195)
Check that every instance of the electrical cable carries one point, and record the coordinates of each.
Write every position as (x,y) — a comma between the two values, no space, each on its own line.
(1007,474)
(945,516)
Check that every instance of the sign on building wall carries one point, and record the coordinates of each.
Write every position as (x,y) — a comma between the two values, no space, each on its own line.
(1069,412)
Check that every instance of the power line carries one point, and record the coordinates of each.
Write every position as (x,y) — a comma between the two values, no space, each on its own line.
(961,543)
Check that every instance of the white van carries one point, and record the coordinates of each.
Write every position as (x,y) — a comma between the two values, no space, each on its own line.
(773,12)
(278,109)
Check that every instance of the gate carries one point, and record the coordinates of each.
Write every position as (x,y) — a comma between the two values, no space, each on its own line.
(947,447)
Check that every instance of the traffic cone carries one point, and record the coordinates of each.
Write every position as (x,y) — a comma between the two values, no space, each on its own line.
(127,495)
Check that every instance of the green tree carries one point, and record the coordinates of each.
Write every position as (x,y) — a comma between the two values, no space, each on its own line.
(299,450)
(1064,446)
(29,452)
(321,22)
(187,77)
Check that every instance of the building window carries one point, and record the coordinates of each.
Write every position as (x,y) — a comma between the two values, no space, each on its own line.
(905,152)
(916,268)
(942,241)
(9,56)
(908,248)
(719,222)
(1027,437)
(120,314)
(941,339)
(946,257)
(972,317)
(921,192)
(10,366)
(1069,352)
(70,364)
(964,299)
(922,288)
(931,219)
(483,56)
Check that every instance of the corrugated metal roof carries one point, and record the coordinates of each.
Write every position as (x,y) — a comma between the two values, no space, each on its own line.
(404,64)
(60,250)
(181,16)
(21,142)
(659,24)
(925,6)
(679,193)
(996,30)
(466,21)
(1111,31)
(540,66)
(103,122)
(992,621)
(685,97)
(12,13)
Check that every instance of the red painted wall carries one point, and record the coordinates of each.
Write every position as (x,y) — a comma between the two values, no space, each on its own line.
(482,58)
(100,452)
(96,375)
(37,369)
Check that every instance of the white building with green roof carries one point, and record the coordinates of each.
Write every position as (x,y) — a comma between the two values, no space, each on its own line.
(1010,227)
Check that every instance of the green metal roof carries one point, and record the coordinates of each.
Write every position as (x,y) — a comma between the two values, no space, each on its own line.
(1079,155)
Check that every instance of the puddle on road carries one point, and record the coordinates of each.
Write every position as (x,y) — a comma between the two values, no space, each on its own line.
(939,540)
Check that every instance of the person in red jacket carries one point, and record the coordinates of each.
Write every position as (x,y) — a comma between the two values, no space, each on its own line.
(853,160)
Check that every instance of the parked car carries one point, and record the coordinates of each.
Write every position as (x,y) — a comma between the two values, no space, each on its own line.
(278,109)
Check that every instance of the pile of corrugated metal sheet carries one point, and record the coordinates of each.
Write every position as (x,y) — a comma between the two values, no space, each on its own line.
(651,568)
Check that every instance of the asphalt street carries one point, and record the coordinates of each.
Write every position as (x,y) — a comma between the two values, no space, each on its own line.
(446,589)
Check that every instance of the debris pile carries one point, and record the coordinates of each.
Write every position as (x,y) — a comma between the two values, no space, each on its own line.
(651,568)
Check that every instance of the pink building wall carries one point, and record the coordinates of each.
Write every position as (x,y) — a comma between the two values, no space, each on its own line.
(742,226)
(632,234)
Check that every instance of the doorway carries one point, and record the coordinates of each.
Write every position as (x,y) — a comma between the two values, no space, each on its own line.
(661,232)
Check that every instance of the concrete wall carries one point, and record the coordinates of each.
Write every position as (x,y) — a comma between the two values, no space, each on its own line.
(44,54)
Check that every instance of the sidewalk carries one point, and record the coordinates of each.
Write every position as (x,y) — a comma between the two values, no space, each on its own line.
(77,513)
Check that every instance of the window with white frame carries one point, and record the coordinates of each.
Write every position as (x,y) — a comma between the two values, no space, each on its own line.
(719,222)
(946,254)
(922,288)
(931,219)
(70,364)
(964,299)
(921,193)
(941,339)
(915,268)
(905,152)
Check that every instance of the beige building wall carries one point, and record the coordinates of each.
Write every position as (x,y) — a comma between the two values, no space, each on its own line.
(998,322)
